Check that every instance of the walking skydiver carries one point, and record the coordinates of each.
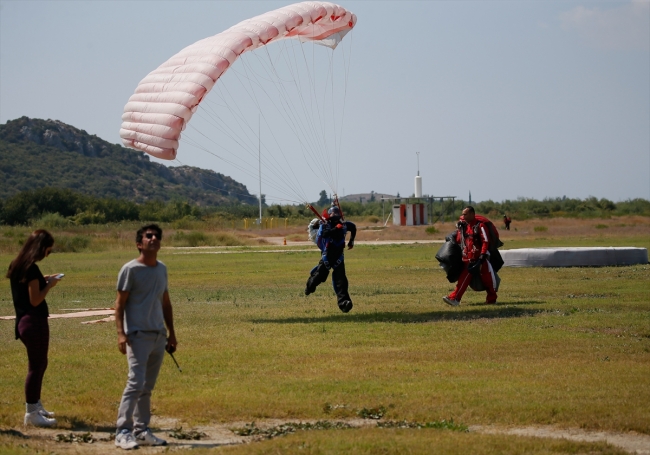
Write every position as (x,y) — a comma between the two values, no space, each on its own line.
(330,239)
(472,235)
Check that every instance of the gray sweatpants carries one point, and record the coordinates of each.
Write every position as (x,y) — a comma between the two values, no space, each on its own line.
(145,356)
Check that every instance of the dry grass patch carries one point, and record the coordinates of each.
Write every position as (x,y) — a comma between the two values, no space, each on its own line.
(564,347)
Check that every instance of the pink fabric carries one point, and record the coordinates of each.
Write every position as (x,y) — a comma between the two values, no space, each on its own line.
(165,100)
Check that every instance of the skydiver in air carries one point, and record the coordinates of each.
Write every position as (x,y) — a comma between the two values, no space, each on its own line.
(331,241)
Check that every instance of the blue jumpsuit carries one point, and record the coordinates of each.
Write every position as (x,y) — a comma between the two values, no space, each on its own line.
(331,242)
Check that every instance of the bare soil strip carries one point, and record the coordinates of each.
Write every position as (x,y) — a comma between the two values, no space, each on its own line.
(217,435)
(79,314)
(630,442)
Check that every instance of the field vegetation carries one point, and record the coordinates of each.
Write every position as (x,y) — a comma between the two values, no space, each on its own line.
(64,206)
(564,347)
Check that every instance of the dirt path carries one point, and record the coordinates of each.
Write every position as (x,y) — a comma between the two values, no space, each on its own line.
(221,434)
(630,442)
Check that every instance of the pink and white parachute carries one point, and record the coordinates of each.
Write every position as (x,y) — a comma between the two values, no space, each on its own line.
(165,100)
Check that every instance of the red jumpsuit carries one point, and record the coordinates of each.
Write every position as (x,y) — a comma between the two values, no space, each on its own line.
(475,241)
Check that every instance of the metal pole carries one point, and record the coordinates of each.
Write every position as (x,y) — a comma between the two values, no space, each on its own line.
(259,158)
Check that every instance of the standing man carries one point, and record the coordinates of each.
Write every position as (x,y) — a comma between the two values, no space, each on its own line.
(507,221)
(142,309)
(472,236)
(331,241)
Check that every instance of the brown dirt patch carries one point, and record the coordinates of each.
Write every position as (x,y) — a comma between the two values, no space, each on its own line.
(217,435)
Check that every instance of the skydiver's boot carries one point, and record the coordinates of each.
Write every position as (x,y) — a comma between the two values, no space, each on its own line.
(317,275)
(345,306)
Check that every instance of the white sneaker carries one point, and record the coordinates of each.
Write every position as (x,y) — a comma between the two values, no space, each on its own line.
(125,440)
(42,410)
(451,302)
(147,438)
(36,419)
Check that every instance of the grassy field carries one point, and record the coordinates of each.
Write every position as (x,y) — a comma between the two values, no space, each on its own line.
(563,347)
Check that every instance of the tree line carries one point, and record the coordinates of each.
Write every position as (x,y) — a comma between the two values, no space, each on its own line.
(78,208)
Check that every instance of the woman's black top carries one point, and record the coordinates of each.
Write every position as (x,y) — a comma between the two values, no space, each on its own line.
(20,294)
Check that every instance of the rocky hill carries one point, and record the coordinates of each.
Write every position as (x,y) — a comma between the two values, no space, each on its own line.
(38,153)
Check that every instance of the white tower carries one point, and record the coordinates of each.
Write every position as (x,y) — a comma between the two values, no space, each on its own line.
(418,179)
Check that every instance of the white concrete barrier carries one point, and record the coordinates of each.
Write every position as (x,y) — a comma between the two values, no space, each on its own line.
(574,256)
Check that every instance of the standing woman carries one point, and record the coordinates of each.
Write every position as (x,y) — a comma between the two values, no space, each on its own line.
(28,289)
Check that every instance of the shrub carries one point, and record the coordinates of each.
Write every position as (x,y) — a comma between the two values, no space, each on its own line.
(187,222)
(65,244)
(431,230)
(601,226)
(540,229)
(373,219)
(191,239)
(51,221)
(88,217)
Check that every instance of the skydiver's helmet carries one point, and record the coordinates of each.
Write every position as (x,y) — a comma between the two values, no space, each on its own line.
(334,214)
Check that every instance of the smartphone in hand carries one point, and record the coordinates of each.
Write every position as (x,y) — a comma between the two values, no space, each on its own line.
(59,276)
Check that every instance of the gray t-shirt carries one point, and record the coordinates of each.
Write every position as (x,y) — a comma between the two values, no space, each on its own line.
(146,286)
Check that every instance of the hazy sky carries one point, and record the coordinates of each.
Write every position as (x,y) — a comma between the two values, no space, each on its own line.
(505,99)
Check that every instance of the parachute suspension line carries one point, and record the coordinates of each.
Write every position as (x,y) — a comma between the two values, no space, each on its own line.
(322,121)
(312,146)
(311,129)
(205,183)
(292,124)
(277,83)
(194,143)
(296,125)
(289,120)
(245,170)
(324,130)
(346,74)
(314,150)
(336,202)
(236,113)
(337,157)
(278,169)
(325,162)
(237,116)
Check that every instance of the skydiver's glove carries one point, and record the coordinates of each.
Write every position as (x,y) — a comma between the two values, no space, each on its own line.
(350,244)
(474,267)
(461,225)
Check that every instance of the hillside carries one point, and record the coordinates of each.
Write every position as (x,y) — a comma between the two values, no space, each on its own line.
(38,153)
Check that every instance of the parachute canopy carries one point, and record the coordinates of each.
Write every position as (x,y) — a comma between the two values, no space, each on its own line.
(165,100)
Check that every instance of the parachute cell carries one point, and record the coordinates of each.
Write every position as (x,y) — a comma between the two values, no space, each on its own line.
(166,98)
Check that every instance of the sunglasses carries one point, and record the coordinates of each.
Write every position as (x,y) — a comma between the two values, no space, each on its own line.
(151,235)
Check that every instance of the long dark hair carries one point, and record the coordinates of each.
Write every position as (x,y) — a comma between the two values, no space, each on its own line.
(33,250)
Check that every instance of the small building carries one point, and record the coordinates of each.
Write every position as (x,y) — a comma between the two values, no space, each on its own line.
(413,214)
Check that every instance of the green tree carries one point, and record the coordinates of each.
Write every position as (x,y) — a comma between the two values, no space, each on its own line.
(324,199)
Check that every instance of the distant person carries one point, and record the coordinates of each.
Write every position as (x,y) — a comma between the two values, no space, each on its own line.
(142,310)
(472,236)
(331,241)
(507,221)
(28,290)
